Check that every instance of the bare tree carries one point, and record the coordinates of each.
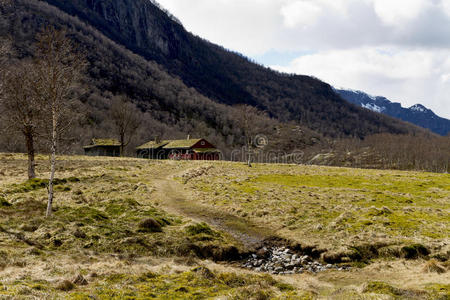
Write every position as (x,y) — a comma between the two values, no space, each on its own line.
(18,106)
(248,119)
(5,2)
(126,119)
(58,69)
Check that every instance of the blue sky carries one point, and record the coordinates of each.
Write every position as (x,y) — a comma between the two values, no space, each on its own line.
(399,49)
(274,57)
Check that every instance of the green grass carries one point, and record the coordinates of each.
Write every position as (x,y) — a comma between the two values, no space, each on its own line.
(101,203)
(319,202)
(187,285)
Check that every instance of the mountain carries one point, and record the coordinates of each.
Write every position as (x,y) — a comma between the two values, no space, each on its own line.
(416,114)
(183,84)
(223,76)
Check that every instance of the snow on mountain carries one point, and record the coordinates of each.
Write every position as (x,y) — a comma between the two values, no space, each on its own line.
(418,107)
(373,107)
(416,114)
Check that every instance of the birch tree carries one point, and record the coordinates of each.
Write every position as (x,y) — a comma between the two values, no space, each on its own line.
(58,70)
(18,105)
(248,120)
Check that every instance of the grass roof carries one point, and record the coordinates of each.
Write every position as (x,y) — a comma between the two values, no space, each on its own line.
(152,145)
(181,144)
(170,144)
(103,142)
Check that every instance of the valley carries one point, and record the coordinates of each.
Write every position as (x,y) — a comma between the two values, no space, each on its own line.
(142,229)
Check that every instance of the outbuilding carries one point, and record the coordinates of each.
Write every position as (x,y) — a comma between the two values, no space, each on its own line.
(103,147)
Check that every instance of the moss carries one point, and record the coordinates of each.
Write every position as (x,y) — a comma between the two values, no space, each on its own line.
(380,287)
(4,203)
(38,183)
(439,291)
(61,188)
(284,286)
(201,229)
(233,280)
(414,251)
(65,286)
(150,225)
(364,252)
(300,198)
(88,215)
(187,285)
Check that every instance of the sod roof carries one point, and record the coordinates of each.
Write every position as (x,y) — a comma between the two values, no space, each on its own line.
(152,145)
(170,144)
(103,142)
(181,144)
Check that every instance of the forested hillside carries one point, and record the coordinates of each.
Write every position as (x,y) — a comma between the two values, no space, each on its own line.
(224,76)
(180,83)
(218,74)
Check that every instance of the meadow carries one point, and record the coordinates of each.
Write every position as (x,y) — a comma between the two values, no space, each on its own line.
(137,229)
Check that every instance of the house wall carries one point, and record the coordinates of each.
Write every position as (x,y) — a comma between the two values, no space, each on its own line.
(182,154)
(152,153)
(113,151)
(202,144)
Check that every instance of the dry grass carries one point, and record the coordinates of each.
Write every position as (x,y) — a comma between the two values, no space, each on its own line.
(334,207)
(95,231)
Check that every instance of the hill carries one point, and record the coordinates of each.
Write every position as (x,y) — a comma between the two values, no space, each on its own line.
(416,114)
(183,83)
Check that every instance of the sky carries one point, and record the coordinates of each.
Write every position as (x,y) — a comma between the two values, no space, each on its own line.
(399,49)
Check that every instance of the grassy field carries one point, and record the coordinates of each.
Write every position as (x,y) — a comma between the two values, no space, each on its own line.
(334,207)
(138,229)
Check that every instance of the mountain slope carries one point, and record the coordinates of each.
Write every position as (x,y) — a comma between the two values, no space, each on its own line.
(169,108)
(224,76)
(416,114)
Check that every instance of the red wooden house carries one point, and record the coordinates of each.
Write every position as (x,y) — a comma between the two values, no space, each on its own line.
(189,149)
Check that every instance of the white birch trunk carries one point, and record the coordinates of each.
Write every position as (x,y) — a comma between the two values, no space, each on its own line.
(52,163)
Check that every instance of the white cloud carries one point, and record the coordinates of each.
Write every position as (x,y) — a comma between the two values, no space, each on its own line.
(445,5)
(385,47)
(396,12)
(300,13)
(407,75)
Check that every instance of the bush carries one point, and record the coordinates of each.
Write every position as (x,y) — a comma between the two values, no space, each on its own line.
(65,286)
(4,203)
(379,287)
(150,225)
(200,228)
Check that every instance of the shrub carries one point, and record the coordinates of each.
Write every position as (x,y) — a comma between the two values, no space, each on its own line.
(4,203)
(65,286)
(150,225)
(380,287)
(200,228)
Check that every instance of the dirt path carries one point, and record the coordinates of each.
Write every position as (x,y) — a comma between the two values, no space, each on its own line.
(175,198)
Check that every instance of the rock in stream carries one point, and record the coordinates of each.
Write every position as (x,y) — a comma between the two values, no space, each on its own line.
(283,261)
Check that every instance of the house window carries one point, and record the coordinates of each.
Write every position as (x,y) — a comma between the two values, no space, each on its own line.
(202,143)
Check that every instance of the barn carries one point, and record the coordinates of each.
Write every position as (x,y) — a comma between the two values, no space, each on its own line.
(189,149)
(103,147)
